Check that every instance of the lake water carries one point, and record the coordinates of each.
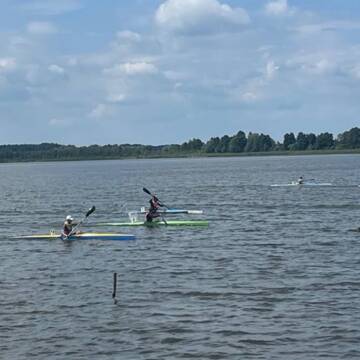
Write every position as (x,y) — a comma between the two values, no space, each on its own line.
(274,276)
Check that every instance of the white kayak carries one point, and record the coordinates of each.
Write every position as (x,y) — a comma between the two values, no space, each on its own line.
(171,211)
(295,183)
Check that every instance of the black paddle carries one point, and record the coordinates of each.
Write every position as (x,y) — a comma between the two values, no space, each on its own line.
(149,192)
(90,211)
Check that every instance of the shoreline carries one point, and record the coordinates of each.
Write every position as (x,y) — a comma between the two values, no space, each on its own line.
(193,156)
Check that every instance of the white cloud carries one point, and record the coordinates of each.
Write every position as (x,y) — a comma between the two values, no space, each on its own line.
(255,89)
(199,16)
(315,63)
(277,7)
(322,66)
(250,92)
(32,74)
(132,68)
(72,60)
(249,97)
(129,36)
(59,122)
(7,64)
(56,69)
(100,111)
(116,98)
(178,85)
(174,75)
(41,28)
(39,75)
(271,70)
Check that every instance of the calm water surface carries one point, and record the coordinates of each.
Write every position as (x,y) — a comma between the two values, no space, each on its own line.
(275,276)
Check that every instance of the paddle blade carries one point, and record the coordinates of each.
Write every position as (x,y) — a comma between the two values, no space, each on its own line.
(91,210)
(147,191)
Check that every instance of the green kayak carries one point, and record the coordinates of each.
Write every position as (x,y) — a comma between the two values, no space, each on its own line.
(158,223)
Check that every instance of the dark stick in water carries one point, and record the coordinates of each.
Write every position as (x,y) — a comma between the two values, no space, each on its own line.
(114,288)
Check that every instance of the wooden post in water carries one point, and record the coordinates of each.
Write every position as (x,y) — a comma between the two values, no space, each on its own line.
(114,287)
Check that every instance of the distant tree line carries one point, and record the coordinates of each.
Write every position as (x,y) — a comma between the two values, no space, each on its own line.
(238,143)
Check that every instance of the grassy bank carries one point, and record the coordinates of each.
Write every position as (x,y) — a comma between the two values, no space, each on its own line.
(191,155)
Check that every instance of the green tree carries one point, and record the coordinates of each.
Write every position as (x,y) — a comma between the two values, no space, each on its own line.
(301,141)
(195,144)
(238,142)
(349,139)
(223,146)
(259,142)
(212,145)
(325,141)
(251,144)
(266,143)
(311,139)
(289,139)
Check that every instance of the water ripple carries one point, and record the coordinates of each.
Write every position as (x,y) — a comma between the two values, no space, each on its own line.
(274,276)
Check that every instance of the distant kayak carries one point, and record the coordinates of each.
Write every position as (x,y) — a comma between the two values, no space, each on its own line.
(295,183)
(81,236)
(158,223)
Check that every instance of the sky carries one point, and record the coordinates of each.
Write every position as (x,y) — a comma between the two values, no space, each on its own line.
(165,71)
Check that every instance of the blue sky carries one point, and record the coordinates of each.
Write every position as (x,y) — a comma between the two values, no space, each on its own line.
(164,71)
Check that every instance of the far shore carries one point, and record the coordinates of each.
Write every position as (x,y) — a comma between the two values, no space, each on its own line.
(194,155)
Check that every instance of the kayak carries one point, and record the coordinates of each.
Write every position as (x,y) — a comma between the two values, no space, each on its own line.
(294,183)
(158,223)
(81,236)
(172,211)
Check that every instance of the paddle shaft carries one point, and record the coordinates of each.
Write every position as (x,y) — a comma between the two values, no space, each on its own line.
(163,219)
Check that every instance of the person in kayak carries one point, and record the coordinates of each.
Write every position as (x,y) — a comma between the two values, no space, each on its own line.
(155,205)
(68,226)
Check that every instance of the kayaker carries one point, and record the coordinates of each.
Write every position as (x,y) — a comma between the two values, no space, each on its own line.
(68,225)
(155,205)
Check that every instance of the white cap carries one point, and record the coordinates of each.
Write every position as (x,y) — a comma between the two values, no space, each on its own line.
(69,217)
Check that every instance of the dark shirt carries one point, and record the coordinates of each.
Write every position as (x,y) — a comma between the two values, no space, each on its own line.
(154,204)
(67,228)
(154,207)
